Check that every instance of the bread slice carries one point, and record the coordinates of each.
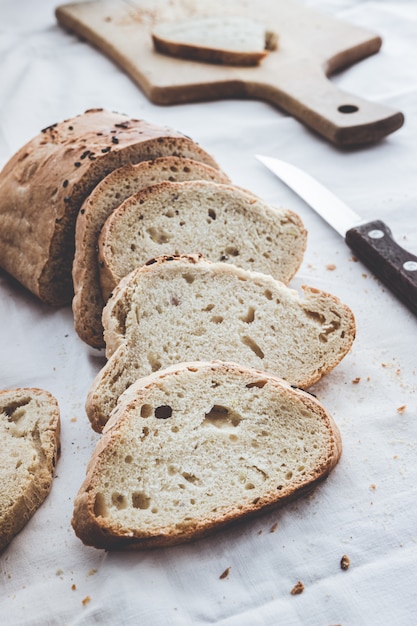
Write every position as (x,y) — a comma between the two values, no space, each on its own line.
(44,184)
(123,182)
(185,309)
(223,222)
(228,40)
(198,446)
(30,445)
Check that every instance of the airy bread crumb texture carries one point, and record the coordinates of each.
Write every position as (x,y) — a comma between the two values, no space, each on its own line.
(29,433)
(222,222)
(184,308)
(197,446)
(116,187)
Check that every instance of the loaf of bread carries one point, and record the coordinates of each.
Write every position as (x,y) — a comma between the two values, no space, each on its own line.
(30,445)
(44,184)
(223,222)
(185,308)
(197,446)
(123,182)
(227,40)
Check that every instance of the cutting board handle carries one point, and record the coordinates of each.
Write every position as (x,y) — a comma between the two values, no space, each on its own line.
(343,118)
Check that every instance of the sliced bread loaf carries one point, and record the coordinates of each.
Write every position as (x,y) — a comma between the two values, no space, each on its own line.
(228,40)
(198,446)
(44,184)
(30,444)
(185,308)
(123,182)
(222,222)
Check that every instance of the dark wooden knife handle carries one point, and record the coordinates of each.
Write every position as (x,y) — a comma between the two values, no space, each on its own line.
(395,267)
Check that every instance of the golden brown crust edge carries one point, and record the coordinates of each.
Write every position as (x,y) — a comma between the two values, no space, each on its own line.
(205,54)
(311,292)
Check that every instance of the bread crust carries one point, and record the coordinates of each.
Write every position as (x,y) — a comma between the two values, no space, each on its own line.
(88,302)
(44,184)
(26,487)
(96,530)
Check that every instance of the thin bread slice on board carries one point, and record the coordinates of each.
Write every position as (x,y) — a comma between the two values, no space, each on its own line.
(44,184)
(123,182)
(222,222)
(227,40)
(198,446)
(30,446)
(186,308)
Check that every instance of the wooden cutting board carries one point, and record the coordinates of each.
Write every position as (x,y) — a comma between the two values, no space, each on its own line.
(294,78)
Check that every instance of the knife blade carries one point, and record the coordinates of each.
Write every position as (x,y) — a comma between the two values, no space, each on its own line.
(372,242)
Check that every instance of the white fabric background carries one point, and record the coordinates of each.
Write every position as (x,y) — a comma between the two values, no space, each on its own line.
(367,509)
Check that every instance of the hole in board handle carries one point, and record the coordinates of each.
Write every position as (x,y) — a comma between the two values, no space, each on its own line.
(348,108)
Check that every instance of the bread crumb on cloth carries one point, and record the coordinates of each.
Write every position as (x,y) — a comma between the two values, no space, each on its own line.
(225,574)
(345,562)
(297,589)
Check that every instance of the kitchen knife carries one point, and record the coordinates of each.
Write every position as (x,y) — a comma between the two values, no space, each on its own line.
(372,242)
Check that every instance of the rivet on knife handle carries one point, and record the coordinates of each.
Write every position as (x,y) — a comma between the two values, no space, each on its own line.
(395,267)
